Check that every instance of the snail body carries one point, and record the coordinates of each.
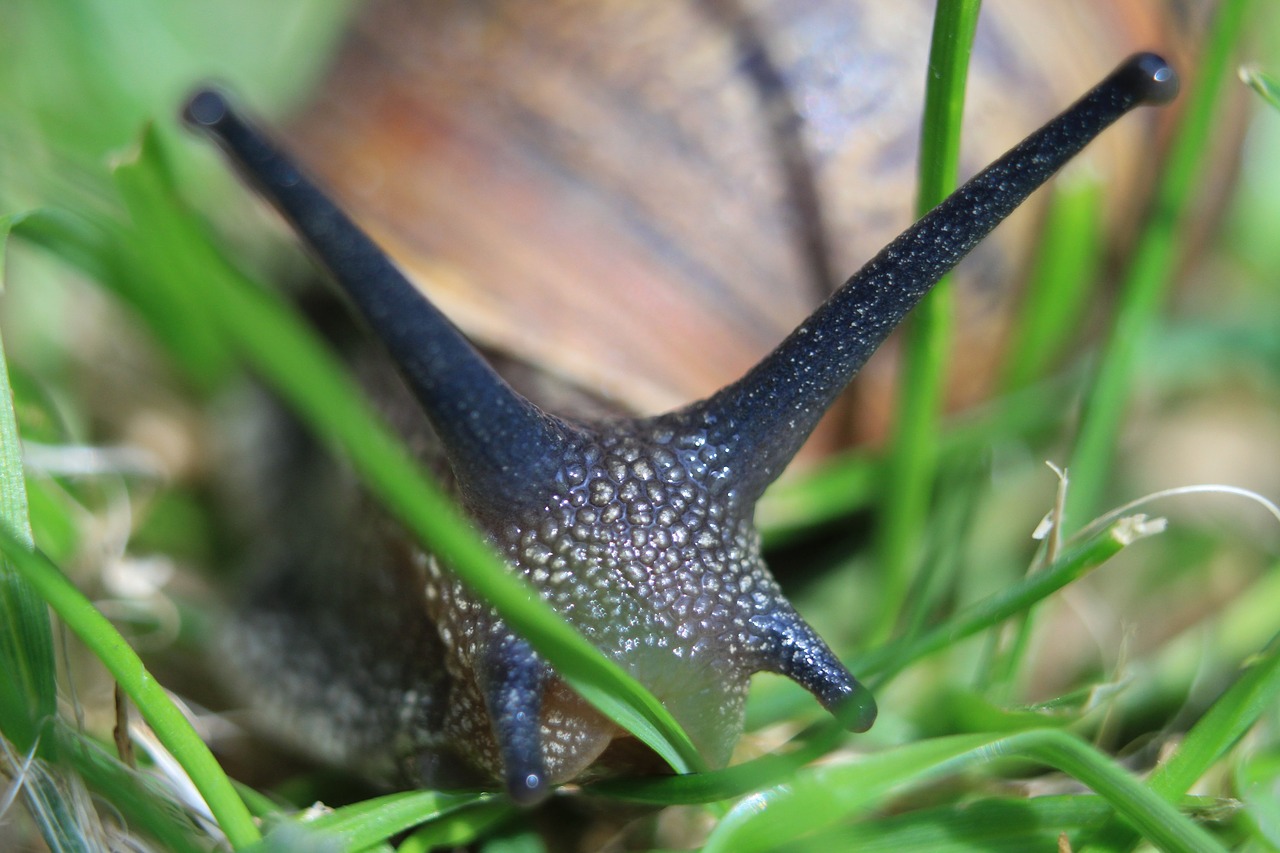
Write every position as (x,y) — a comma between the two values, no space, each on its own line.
(639,531)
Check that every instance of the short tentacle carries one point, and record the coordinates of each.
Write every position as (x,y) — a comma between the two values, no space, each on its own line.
(765,417)
(796,651)
(496,440)
(512,681)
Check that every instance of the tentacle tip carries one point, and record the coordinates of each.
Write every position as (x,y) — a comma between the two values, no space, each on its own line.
(207,108)
(856,711)
(528,789)
(1151,78)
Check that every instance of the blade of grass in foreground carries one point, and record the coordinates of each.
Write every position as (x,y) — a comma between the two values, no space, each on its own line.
(1077,559)
(996,825)
(1254,693)
(28,692)
(364,824)
(822,796)
(912,460)
(1266,85)
(882,664)
(461,828)
(169,724)
(287,355)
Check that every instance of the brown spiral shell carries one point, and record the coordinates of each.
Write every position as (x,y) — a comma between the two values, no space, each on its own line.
(554,173)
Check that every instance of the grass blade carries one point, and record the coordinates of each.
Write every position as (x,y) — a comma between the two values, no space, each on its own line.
(989,826)
(1266,85)
(1255,692)
(823,796)
(912,458)
(28,694)
(169,724)
(1063,273)
(28,687)
(370,822)
(882,664)
(1149,271)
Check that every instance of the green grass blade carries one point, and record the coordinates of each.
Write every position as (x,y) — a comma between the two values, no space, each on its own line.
(823,796)
(28,692)
(364,824)
(913,454)
(287,355)
(819,798)
(718,785)
(1156,819)
(130,265)
(882,664)
(1254,693)
(1066,266)
(1255,780)
(1149,272)
(28,688)
(993,825)
(168,722)
(458,829)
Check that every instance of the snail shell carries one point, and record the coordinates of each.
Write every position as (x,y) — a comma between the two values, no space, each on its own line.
(551,173)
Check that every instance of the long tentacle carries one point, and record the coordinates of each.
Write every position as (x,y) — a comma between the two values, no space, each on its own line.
(494,438)
(765,417)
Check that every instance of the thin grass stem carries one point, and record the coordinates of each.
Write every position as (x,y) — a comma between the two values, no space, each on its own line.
(912,461)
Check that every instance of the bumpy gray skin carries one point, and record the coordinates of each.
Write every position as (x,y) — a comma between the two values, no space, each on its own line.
(645,546)
(639,532)
(369,654)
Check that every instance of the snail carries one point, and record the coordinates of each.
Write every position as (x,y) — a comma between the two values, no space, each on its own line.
(639,531)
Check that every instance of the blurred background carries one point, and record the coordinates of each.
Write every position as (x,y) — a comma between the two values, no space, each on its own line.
(628,204)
